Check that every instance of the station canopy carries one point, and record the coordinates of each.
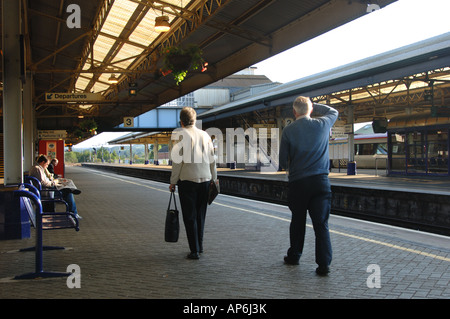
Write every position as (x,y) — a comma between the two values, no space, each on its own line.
(413,79)
(79,47)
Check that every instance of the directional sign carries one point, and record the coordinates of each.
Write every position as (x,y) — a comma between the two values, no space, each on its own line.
(341,131)
(72,97)
(52,134)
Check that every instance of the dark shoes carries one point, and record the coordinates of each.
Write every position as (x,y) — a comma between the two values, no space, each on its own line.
(76,191)
(322,271)
(288,260)
(193,256)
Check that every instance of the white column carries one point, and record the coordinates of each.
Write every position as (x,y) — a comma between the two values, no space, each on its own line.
(28,124)
(12,92)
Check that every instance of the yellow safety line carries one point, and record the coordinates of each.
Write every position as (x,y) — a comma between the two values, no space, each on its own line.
(130,182)
(415,251)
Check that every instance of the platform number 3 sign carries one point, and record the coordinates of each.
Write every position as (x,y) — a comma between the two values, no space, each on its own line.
(128,122)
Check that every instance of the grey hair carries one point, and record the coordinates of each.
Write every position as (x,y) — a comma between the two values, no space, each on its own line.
(302,105)
(188,116)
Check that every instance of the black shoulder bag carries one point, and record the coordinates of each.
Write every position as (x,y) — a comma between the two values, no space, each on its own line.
(172,222)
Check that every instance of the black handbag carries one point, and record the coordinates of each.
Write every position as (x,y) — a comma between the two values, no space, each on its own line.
(172,229)
(214,190)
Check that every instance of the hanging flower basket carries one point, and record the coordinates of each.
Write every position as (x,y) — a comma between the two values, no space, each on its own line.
(179,61)
(88,125)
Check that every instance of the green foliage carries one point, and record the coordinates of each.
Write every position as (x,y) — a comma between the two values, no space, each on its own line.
(88,125)
(179,61)
(110,155)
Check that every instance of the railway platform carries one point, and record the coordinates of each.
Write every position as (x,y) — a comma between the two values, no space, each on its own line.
(364,178)
(121,253)
(421,203)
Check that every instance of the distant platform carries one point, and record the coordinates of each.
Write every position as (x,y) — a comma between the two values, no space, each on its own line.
(364,178)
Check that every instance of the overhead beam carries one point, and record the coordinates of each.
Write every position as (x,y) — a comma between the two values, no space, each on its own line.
(317,22)
(34,65)
(181,28)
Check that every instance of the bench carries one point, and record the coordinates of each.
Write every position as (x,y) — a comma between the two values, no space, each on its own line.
(43,221)
(46,194)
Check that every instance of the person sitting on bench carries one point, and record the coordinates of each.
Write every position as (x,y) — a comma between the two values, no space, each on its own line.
(51,167)
(66,186)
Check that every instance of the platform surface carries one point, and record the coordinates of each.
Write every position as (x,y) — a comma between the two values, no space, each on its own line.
(121,253)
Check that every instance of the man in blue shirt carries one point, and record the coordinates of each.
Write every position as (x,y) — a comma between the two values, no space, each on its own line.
(304,153)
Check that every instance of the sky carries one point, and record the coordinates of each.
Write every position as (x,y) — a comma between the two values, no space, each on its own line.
(396,25)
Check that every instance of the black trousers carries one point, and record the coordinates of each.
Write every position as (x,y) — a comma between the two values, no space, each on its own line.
(194,202)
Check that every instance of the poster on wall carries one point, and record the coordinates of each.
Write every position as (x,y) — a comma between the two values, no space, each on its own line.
(54,149)
(51,150)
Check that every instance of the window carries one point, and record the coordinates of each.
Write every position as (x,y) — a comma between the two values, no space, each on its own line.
(437,151)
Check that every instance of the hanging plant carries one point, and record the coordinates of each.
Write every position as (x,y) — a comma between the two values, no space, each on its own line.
(78,133)
(88,125)
(179,61)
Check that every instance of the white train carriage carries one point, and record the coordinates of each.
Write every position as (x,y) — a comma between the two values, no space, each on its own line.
(370,151)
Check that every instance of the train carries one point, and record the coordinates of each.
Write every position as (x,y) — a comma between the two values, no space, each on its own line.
(371,151)
(419,145)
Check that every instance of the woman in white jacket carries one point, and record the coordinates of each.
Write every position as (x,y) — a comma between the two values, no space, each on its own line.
(193,167)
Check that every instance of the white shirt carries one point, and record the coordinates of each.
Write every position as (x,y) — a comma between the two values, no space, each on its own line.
(39,172)
(192,156)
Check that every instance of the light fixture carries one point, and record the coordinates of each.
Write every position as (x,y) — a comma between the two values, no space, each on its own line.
(162,24)
(112,79)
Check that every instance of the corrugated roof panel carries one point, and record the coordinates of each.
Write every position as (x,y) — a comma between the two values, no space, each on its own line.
(127,51)
(118,17)
(145,32)
(101,47)
(82,82)
(99,86)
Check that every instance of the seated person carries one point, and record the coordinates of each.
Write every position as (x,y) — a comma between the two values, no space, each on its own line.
(39,171)
(51,167)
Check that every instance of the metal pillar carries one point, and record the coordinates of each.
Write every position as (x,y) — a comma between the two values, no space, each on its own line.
(12,91)
(146,154)
(351,166)
(28,124)
(131,154)
(170,150)
(155,152)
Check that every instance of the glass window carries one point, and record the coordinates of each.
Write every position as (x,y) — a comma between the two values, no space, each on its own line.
(437,151)
(416,152)
(398,155)
(364,149)
(423,151)
(381,148)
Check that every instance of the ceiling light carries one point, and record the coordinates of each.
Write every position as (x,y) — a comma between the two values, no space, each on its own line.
(113,79)
(162,24)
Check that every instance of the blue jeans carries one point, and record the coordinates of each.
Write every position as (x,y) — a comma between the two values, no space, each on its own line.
(311,194)
(70,200)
